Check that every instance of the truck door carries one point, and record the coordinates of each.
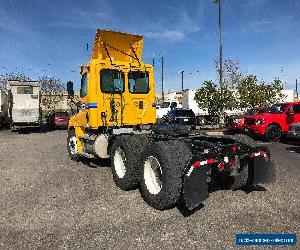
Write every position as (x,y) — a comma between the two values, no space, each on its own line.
(138,84)
(112,85)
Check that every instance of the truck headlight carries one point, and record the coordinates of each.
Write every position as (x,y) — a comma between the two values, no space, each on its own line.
(259,121)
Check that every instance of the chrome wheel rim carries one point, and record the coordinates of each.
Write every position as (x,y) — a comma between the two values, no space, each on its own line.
(153,175)
(119,162)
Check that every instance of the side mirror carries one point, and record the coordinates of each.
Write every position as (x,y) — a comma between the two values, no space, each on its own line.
(70,89)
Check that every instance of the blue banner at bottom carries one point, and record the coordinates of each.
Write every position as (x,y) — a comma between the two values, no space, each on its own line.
(266,239)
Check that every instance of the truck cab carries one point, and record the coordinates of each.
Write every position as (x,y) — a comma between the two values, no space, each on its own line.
(275,122)
(117,89)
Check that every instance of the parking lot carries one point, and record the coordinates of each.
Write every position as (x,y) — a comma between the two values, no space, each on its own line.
(48,201)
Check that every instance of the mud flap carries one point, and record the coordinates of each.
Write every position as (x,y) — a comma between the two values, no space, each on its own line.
(263,171)
(195,188)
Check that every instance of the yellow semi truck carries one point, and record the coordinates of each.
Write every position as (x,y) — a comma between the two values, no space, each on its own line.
(116,119)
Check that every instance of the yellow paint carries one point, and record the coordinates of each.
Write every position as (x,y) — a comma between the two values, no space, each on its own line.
(106,55)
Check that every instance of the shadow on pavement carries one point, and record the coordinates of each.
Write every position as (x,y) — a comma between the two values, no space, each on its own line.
(251,188)
(295,149)
(182,208)
(32,130)
(96,162)
(186,212)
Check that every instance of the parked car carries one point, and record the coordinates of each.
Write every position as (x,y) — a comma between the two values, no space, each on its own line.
(294,131)
(235,124)
(166,106)
(272,124)
(58,119)
(181,116)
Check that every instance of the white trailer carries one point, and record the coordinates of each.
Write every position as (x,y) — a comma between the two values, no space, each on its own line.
(289,95)
(24,103)
(188,102)
(166,106)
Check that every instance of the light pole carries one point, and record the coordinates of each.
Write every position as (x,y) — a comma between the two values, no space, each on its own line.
(162,79)
(221,117)
(182,79)
(220,43)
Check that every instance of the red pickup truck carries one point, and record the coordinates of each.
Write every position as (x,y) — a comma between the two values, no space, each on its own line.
(274,122)
(235,124)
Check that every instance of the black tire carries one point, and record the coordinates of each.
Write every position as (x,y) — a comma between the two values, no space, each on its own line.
(129,147)
(201,120)
(273,133)
(171,158)
(75,156)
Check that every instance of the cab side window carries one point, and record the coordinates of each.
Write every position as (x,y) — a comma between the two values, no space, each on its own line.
(112,81)
(296,108)
(83,87)
(173,105)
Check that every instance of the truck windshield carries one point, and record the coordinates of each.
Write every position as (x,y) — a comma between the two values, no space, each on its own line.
(278,108)
(165,105)
(111,81)
(138,82)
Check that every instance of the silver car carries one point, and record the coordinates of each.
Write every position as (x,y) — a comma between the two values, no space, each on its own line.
(294,131)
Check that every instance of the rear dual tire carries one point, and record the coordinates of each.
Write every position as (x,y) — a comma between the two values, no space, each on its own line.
(125,154)
(162,167)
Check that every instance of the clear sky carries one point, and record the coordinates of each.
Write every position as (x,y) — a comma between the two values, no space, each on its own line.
(42,37)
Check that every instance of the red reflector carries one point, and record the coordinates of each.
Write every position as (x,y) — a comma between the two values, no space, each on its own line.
(231,164)
(196,164)
(210,161)
(234,149)
(262,153)
(221,166)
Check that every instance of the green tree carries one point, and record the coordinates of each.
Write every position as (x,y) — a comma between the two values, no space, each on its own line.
(253,93)
(212,98)
(52,92)
(232,75)
(13,76)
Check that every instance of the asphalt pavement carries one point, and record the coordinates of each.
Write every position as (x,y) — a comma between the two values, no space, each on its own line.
(50,202)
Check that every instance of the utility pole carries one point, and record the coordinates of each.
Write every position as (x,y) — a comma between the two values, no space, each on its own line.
(221,54)
(297,88)
(162,79)
(220,43)
(182,79)
(153,62)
